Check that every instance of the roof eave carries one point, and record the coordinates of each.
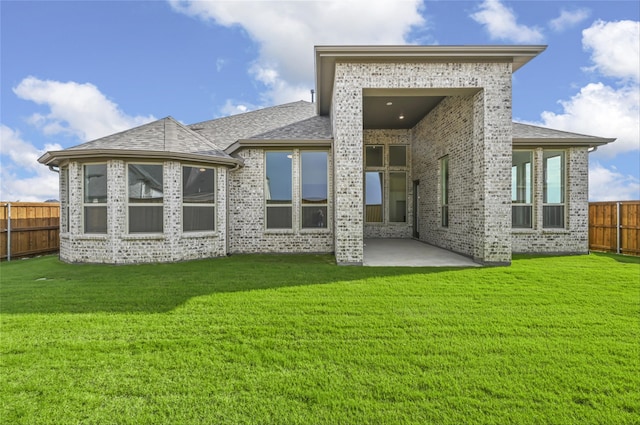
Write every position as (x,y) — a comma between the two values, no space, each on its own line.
(278,143)
(560,142)
(327,56)
(56,157)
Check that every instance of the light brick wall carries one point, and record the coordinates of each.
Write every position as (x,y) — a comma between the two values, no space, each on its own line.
(574,238)
(119,247)
(247,229)
(488,132)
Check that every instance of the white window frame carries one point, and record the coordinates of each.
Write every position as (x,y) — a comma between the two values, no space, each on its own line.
(147,204)
(386,169)
(211,205)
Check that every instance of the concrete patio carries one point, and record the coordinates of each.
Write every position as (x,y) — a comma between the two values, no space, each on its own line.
(410,253)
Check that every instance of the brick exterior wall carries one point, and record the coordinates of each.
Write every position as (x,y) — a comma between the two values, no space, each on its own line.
(119,247)
(247,229)
(488,136)
(574,238)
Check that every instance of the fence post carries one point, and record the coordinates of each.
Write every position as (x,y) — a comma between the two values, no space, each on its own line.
(618,225)
(8,231)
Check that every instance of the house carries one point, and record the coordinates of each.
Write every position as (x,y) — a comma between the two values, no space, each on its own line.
(402,142)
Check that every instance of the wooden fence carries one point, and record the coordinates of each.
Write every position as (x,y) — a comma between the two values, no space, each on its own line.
(615,227)
(29,228)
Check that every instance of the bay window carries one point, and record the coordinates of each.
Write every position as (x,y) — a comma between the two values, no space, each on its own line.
(145,198)
(94,198)
(198,199)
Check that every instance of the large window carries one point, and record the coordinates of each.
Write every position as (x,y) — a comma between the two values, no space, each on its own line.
(278,190)
(314,175)
(444,191)
(198,199)
(521,189)
(554,189)
(145,193)
(95,198)
(373,198)
(385,184)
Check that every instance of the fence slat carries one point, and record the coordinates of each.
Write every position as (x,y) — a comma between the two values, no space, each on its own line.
(604,227)
(35,228)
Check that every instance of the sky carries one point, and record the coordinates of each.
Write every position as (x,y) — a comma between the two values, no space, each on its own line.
(74,71)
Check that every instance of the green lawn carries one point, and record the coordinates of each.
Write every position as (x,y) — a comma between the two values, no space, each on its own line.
(298,340)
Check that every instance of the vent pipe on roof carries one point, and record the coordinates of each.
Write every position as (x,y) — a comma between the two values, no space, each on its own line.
(312,93)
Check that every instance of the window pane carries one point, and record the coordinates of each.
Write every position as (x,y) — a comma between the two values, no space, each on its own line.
(95,219)
(521,216)
(314,217)
(373,196)
(278,183)
(95,183)
(145,219)
(314,177)
(521,177)
(198,219)
(553,177)
(373,156)
(278,217)
(198,185)
(145,183)
(553,216)
(398,197)
(398,156)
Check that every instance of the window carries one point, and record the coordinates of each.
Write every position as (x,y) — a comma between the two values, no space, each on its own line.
(198,199)
(374,156)
(278,190)
(444,189)
(374,188)
(95,198)
(385,184)
(521,185)
(314,175)
(553,202)
(397,197)
(145,192)
(64,176)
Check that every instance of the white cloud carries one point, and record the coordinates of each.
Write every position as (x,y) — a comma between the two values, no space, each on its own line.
(287,31)
(609,185)
(501,23)
(615,48)
(601,110)
(568,19)
(19,158)
(74,108)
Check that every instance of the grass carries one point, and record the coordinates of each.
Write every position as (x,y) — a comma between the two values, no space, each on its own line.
(298,340)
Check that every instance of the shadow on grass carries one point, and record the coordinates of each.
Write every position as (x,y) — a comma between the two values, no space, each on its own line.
(626,259)
(47,285)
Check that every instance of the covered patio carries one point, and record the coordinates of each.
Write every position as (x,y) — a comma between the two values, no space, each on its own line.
(410,253)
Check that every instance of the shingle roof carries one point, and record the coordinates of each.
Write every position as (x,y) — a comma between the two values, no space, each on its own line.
(316,128)
(226,131)
(534,134)
(164,135)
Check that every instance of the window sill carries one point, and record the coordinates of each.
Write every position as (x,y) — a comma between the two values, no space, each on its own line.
(278,231)
(555,232)
(143,236)
(321,230)
(525,230)
(91,237)
(199,234)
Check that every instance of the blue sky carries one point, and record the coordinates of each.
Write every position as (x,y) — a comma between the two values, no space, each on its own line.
(78,70)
